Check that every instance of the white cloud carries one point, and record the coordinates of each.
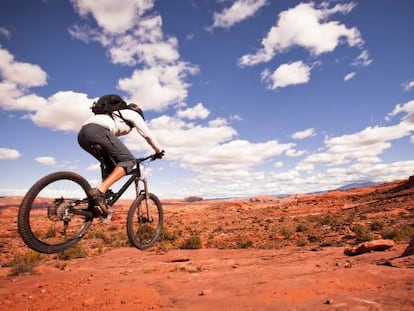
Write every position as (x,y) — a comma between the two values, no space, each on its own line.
(304,134)
(363,59)
(409,85)
(367,145)
(287,74)
(196,147)
(308,27)
(113,16)
(19,73)
(349,76)
(158,87)
(49,161)
(196,112)
(161,80)
(16,77)
(407,108)
(239,11)
(9,154)
(64,111)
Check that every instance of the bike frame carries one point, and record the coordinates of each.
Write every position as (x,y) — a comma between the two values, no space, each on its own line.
(137,178)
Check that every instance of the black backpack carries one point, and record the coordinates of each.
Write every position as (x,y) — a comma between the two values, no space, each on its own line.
(108,104)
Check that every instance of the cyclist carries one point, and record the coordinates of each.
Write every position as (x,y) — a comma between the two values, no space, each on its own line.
(99,137)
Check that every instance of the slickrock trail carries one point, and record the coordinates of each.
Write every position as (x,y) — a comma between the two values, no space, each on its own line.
(261,254)
(211,279)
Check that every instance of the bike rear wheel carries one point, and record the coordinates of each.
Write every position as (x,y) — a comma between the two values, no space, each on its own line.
(53,214)
(145,222)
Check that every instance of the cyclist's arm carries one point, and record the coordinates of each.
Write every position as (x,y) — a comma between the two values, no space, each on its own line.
(145,132)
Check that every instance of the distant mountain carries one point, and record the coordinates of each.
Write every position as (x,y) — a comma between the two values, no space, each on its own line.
(357,185)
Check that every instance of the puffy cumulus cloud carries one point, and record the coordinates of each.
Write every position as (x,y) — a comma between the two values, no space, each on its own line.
(20,73)
(13,97)
(237,12)
(344,159)
(49,161)
(306,26)
(196,112)
(160,81)
(145,44)
(16,78)
(113,16)
(367,145)
(197,147)
(287,74)
(364,146)
(9,154)
(304,134)
(158,87)
(64,111)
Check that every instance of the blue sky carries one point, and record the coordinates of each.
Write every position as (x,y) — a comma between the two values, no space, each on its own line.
(246,97)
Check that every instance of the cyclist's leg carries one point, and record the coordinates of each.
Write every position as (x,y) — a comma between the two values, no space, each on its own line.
(122,160)
(114,153)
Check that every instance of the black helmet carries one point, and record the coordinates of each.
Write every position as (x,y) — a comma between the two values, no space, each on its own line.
(136,108)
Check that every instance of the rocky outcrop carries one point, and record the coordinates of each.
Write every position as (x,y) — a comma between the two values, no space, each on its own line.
(376,245)
(193,199)
(264,199)
(410,249)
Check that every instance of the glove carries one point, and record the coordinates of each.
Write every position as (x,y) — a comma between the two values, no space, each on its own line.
(159,155)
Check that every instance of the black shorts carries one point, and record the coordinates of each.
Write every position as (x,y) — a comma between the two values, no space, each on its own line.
(114,152)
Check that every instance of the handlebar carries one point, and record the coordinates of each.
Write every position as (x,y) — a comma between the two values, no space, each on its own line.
(151,157)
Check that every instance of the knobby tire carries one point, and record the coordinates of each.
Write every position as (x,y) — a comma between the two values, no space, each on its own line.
(143,233)
(34,203)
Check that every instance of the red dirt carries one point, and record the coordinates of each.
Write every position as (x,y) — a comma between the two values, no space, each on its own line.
(286,254)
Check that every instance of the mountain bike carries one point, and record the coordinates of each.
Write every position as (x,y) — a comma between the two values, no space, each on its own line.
(57,211)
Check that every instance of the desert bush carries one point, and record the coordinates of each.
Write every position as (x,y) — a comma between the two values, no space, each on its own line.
(243,242)
(112,237)
(61,265)
(363,234)
(286,232)
(193,242)
(402,233)
(301,227)
(24,263)
(100,234)
(302,241)
(73,252)
(169,236)
(376,226)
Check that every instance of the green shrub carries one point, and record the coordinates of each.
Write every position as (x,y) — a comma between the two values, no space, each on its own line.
(73,252)
(243,242)
(400,234)
(363,234)
(193,242)
(24,263)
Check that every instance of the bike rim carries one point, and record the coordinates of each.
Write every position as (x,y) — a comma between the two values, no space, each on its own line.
(52,216)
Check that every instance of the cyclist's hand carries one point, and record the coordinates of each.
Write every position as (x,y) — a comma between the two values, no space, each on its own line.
(159,155)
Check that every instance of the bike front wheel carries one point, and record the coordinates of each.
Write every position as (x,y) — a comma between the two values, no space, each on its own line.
(53,214)
(145,221)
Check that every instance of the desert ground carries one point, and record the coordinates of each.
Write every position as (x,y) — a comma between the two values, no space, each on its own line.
(263,253)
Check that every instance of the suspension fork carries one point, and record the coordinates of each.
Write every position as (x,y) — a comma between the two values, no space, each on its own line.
(145,192)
